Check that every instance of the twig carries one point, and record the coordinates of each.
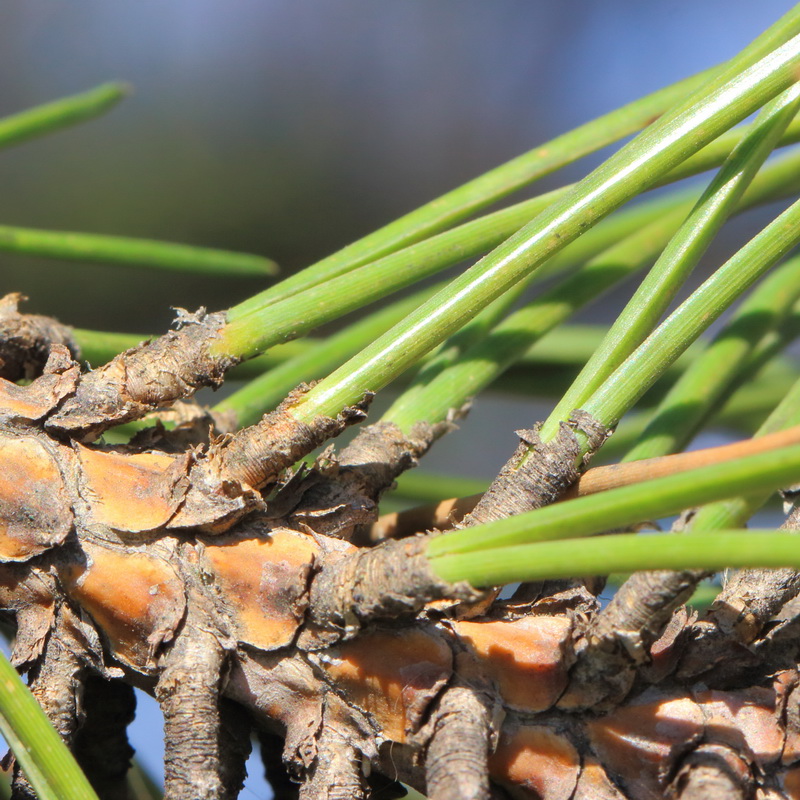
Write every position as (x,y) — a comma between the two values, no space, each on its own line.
(446,513)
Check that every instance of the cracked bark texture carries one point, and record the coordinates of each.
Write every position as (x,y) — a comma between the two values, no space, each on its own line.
(405,682)
(56,682)
(101,744)
(257,455)
(731,629)
(205,753)
(381,452)
(392,580)
(26,339)
(539,472)
(202,571)
(337,772)
(456,761)
(619,637)
(145,378)
(339,496)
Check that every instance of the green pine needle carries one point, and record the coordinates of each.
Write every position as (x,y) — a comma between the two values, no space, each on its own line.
(42,754)
(133,252)
(628,505)
(60,114)
(701,549)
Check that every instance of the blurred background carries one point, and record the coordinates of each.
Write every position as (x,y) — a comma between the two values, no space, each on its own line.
(290,127)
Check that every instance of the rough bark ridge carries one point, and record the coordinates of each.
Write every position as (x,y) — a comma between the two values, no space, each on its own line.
(239,595)
(539,472)
(145,378)
(25,340)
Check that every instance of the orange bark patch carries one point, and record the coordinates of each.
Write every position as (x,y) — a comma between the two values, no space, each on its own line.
(791,783)
(594,783)
(266,578)
(746,719)
(392,675)
(535,762)
(131,491)
(791,747)
(638,742)
(525,658)
(19,402)
(136,599)
(35,513)
(38,398)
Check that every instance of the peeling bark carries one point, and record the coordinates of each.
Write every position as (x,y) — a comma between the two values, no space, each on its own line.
(732,626)
(188,693)
(384,685)
(256,455)
(26,339)
(340,496)
(456,761)
(538,473)
(198,569)
(145,378)
(619,638)
(389,581)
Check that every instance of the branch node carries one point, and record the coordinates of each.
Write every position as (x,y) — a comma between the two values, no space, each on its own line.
(391,580)
(538,473)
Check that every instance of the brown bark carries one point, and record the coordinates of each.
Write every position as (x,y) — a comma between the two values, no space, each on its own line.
(727,637)
(336,772)
(101,744)
(381,452)
(209,576)
(456,761)
(538,473)
(145,378)
(447,513)
(618,638)
(391,581)
(55,682)
(25,340)
(713,772)
(188,691)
